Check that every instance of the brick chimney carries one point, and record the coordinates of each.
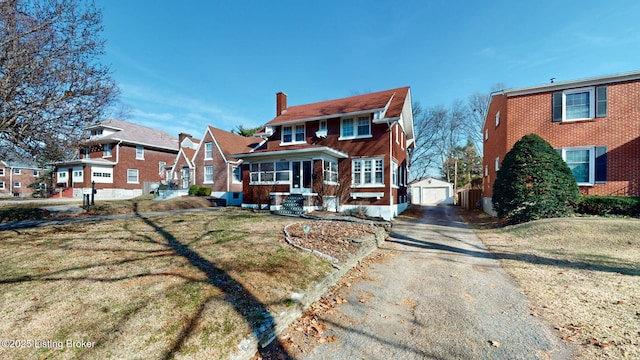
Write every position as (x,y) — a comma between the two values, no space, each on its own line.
(181,137)
(281,103)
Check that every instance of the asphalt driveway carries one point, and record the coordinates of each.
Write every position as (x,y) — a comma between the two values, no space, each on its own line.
(440,294)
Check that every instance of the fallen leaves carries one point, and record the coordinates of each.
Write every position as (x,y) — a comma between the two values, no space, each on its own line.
(330,237)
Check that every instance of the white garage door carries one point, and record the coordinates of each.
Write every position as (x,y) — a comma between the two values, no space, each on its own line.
(434,195)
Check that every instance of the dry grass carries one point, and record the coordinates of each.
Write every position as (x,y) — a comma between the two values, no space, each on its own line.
(581,276)
(183,285)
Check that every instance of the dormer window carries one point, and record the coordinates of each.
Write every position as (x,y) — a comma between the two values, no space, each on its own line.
(293,134)
(95,133)
(353,128)
(322,129)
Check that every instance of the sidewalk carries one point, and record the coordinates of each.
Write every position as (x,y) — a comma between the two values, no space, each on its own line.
(439,295)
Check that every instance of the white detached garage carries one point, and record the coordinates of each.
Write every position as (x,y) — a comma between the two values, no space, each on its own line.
(431,191)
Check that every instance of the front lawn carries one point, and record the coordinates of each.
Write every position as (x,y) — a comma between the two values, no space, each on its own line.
(581,276)
(184,285)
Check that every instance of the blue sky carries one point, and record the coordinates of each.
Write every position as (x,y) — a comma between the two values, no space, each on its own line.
(183,65)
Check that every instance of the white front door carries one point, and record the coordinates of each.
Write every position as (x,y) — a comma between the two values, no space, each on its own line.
(185,177)
(301,175)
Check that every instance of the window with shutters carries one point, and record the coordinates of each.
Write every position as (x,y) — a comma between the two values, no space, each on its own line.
(580,104)
(587,163)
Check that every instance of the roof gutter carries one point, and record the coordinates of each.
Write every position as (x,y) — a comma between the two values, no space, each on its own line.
(324,117)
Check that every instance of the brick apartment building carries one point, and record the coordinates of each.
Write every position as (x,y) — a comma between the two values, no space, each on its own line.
(594,123)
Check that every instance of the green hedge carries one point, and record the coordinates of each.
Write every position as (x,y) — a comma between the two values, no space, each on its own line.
(609,205)
(198,190)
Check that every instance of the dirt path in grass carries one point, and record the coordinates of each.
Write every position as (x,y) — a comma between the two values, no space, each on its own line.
(438,294)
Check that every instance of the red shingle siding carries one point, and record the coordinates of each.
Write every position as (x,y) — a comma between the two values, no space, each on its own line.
(619,132)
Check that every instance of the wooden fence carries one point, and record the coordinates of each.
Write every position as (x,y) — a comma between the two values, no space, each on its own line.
(470,198)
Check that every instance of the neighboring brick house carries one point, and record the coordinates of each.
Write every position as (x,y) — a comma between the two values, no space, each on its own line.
(182,174)
(593,123)
(344,154)
(16,178)
(120,157)
(210,164)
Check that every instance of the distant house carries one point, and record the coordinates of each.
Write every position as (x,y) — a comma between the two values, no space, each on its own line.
(209,163)
(594,123)
(16,178)
(347,154)
(123,159)
(430,191)
(182,174)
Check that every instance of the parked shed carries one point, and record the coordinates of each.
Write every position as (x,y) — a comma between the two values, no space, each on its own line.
(431,191)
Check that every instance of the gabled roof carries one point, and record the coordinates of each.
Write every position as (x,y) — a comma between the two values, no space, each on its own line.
(229,143)
(134,134)
(390,100)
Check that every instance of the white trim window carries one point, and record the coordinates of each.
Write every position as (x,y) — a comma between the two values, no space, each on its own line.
(208,151)
(397,136)
(1,171)
(581,161)
(17,184)
(293,134)
(580,104)
(236,176)
(78,176)
(498,118)
(139,152)
(351,128)
(208,174)
(17,171)
(367,172)
(36,173)
(270,173)
(107,150)
(395,174)
(1,185)
(330,172)
(497,163)
(323,125)
(132,176)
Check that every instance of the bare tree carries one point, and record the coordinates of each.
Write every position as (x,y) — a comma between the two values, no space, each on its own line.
(478,104)
(51,83)
(424,155)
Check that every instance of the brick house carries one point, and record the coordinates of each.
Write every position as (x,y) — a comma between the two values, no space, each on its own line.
(347,154)
(16,178)
(594,123)
(120,157)
(182,171)
(212,165)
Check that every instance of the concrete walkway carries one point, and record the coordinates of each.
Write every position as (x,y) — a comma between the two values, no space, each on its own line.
(439,295)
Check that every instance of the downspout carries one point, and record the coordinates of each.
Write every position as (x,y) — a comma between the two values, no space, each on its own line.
(11,180)
(390,174)
(118,152)
(228,173)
